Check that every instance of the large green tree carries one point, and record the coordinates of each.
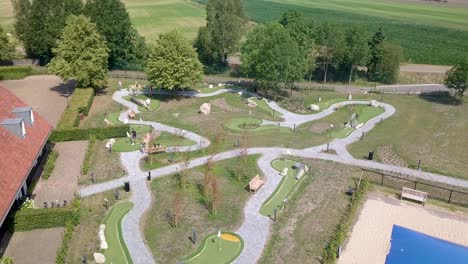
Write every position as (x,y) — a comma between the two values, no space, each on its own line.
(457,78)
(173,63)
(388,67)
(7,47)
(330,46)
(357,52)
(272,56)
(127,48)
(41,26)
(225,21)
(81,54)
(375,46)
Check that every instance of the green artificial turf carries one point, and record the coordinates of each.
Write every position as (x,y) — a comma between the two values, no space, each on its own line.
(364,112)
(250,124)
(117,251)
(285,187)
(216,251)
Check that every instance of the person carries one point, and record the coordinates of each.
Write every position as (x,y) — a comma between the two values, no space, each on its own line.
(134,134)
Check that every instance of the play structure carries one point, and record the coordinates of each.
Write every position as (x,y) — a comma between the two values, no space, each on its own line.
(256,183)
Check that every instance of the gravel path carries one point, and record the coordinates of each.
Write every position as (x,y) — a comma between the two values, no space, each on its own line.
(255,228)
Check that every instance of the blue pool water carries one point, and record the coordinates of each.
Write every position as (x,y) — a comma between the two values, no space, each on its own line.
(411,247)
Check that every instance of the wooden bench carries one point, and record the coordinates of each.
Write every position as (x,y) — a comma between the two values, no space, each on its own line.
(157,150)
(256,183)
(413,195)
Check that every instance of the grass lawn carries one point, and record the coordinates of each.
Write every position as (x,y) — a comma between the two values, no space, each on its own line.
(171,244)
(428,129)
(429,33)
(154,103)
(285,187)
(117,251)
(85,239)
(262,104)
(251,124)
(303,229)
(217,250)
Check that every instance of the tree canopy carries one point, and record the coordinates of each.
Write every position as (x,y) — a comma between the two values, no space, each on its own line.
(272,56)
(173,63)
(357,52)
(127,47)
(457,78)
(81,54)
(7,47)
(330,46)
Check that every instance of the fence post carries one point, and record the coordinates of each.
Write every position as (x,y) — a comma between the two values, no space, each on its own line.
(381,181)
(450,197)
(415,183)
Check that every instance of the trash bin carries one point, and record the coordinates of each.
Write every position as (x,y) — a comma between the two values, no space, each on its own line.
(127,186)
(371,155)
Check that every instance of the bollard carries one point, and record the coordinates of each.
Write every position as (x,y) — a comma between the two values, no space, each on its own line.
(274,214)
(371,155)
(149,176)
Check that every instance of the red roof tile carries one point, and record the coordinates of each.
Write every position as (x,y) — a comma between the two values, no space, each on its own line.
(17,156)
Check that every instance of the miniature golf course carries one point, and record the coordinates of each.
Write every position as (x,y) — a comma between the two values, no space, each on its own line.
(250,124)
(209,251)
(364,113)
(117,251)
(284,188)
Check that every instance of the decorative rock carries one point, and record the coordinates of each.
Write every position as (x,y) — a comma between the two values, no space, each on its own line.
(350,97)
(374,103)
(99,258)
(205,108)
(210,86)
(320,99)
(251,104)
(176,114)
(102,237)
(314,107)
(284,172)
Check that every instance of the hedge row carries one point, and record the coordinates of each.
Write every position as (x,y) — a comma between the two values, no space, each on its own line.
(50,164)
(30,219)
(89,153)
(330,252)
(16,72)
(62,252)
(71,134)
(80,102)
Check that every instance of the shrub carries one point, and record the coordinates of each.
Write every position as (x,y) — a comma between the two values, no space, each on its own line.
(17,72)
(70,134)
(25,220)
(80,102)
(50,164)
(6,260)
(62,252)
(330,252)
(89,153)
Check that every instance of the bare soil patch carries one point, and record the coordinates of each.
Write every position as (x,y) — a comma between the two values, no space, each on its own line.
(387,155)
(426,68)
(319,128)
(44,93)
(222,104)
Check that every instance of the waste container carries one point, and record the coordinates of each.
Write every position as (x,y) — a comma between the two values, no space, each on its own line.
(371,155)
(127,186)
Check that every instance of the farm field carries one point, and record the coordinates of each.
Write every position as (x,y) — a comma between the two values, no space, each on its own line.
(429,33)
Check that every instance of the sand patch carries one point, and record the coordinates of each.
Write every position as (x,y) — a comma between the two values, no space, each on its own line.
(229,237)
(319,128)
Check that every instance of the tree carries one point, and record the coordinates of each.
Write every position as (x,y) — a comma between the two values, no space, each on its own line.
(299,28)
(330,46)
(173,62)
(357,49)
(457,79)
(225,21)
(81,54)
(42,26)
(387,68)
(21,9)
(376,54)
(7,47)
(272,57)
(177,207)
(127,47)
(215,196)
(203,44)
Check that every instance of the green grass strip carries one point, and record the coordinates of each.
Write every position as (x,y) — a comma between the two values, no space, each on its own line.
(117,251)
(209,253)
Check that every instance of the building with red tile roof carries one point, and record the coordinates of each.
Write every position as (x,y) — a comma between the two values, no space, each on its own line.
(23,138)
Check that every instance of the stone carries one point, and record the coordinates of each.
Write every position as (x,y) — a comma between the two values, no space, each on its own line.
(314,107)
(350,97)
(251,103)
(99,258)
(176,114)
(210,86)
(374,103)
(205,108)
(284,172)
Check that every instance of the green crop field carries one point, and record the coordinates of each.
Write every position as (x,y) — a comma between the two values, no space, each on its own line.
(429,33)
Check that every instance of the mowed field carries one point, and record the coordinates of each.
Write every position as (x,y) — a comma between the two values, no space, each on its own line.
(430,33)
(150,17)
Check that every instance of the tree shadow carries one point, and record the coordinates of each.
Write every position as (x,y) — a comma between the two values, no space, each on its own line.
(440,97)
(65,89)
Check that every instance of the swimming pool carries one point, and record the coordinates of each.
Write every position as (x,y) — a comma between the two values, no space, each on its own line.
(411,247)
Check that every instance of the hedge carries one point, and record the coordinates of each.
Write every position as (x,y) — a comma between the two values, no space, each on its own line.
(62,252)
(16,72)
(80,102)
(71,134)
(50,164)
(89,153)
(30,219)
(330,253)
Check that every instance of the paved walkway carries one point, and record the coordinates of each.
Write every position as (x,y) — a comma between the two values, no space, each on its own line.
(255,228)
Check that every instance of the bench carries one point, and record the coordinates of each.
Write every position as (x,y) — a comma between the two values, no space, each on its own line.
(413,195)
(153,150)
(256,183)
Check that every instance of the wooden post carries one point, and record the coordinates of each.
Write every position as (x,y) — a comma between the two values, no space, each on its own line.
(415,183)
(450,197)
(381,181)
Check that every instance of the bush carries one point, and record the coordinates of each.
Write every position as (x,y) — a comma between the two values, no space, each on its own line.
(50,164)
(62,252)
(71,134)
(80,102)
(6,260)
(25,220)
(89,153)
(330,252)
(17,72)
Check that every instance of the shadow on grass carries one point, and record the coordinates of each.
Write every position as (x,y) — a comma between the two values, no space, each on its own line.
(441,98)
